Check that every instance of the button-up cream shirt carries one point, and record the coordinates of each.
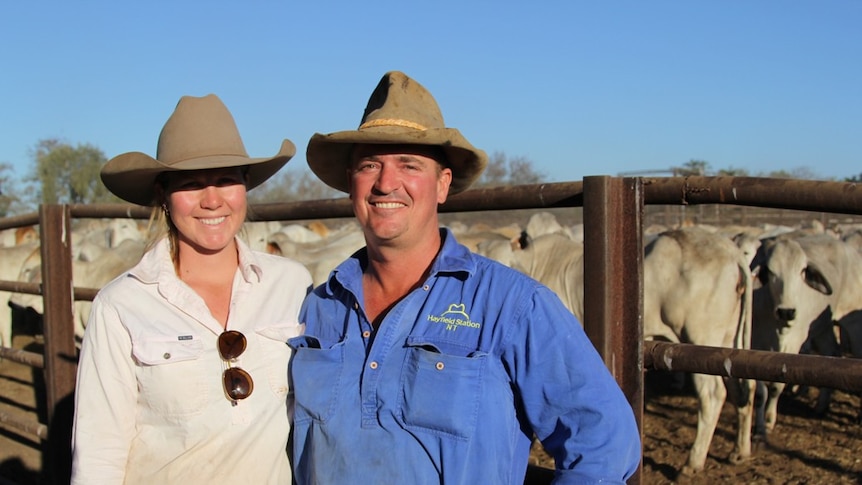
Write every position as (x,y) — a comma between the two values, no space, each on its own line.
(150,406)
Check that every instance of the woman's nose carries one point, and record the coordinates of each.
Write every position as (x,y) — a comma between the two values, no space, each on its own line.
(211,197)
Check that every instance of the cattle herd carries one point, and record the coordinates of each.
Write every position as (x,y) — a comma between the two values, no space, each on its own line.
(776,288)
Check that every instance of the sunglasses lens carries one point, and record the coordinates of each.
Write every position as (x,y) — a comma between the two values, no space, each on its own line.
(237,383)
(231,344)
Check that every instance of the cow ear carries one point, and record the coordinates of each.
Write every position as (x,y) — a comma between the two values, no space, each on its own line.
(524,240)
(755,273)
(815,279)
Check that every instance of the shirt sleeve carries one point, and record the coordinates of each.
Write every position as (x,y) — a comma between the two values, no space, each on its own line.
(570,398)
(105,400)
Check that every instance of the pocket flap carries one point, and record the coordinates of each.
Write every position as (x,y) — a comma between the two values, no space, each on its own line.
(282,331)
(157,351)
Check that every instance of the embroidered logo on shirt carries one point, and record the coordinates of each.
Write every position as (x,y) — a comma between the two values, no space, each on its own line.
(455,316)
(184,337)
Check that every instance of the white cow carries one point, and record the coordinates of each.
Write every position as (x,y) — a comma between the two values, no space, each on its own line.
(85,274)
(697,289)
(808,282)
(554,259)
(14,260)
(256,233)
(18,235)
(320,257)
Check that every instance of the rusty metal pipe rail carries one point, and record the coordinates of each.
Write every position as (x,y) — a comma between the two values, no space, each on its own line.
(30,219)
(832,372)
(837,197)
(33,359)
(808,195)
(21,287)
(29,426)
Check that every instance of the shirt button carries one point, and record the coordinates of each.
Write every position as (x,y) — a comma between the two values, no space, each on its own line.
(355,305)
(439,366)
(366,334)
(167,356)
(373,365)
(426,287)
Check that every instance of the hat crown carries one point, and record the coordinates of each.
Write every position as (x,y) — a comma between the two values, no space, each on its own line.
(400,111)
(400,102)
(199,127)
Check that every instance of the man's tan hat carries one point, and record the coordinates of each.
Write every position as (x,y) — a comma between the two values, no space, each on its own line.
(400,111)
(200,134)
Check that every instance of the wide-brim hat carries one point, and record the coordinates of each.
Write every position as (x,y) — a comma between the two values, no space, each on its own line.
(399,111)
(200,134)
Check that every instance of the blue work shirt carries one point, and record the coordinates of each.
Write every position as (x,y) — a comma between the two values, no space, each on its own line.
(451,387)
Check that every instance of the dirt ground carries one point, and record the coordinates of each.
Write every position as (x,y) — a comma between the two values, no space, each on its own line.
(803,449)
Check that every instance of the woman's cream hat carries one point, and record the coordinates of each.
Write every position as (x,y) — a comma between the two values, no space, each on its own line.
(200,134)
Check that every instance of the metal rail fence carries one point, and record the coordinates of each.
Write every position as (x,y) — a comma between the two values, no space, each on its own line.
(613,215)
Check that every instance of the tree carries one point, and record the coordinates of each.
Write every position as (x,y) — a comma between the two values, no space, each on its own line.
(692,168)
(292,185)
(733,172)
(10,196)
(64,174)
(800,173)
(509,171)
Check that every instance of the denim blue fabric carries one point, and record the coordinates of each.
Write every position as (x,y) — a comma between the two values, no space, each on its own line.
(453,384)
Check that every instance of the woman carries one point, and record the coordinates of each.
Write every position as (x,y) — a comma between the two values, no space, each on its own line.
(182,376)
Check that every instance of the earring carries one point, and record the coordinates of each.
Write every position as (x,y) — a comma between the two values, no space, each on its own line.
(166,210)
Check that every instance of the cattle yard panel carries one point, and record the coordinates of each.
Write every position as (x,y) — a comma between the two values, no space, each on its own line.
(613,213)
(615,324)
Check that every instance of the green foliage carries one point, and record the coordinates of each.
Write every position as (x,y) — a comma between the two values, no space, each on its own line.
(292,184)
(64,174)
(509,171)
(702,168)
(733,172)
(10,196)
(692,168)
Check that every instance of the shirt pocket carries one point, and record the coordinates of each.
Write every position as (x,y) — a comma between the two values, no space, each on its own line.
(172,375)
(316,371)
(276,354)
(441,387)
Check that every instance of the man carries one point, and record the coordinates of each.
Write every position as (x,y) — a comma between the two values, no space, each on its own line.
(425,363)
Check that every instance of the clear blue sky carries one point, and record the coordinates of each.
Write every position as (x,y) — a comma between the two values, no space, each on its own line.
(580,88)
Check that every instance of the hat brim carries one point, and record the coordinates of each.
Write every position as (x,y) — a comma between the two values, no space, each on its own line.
(132,176)
(328,156)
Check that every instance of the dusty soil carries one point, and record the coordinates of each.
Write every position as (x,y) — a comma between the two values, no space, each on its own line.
(803,449)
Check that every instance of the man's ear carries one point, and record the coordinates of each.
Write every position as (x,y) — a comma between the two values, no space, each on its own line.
(443,183)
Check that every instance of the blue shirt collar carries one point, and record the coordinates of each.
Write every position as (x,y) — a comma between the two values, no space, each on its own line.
(452,259)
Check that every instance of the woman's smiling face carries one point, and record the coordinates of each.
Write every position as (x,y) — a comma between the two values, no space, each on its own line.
(208,207)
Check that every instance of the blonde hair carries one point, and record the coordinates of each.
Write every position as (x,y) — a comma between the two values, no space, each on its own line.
(160,227)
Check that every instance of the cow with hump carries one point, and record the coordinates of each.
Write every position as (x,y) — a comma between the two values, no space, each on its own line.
(808,286)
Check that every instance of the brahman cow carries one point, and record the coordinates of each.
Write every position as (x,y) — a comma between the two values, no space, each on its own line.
(698,290)
(808,284)
(13,261)
(553,259)
(85,274)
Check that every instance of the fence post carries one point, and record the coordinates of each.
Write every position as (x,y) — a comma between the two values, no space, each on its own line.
(60,352)
(613,282)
